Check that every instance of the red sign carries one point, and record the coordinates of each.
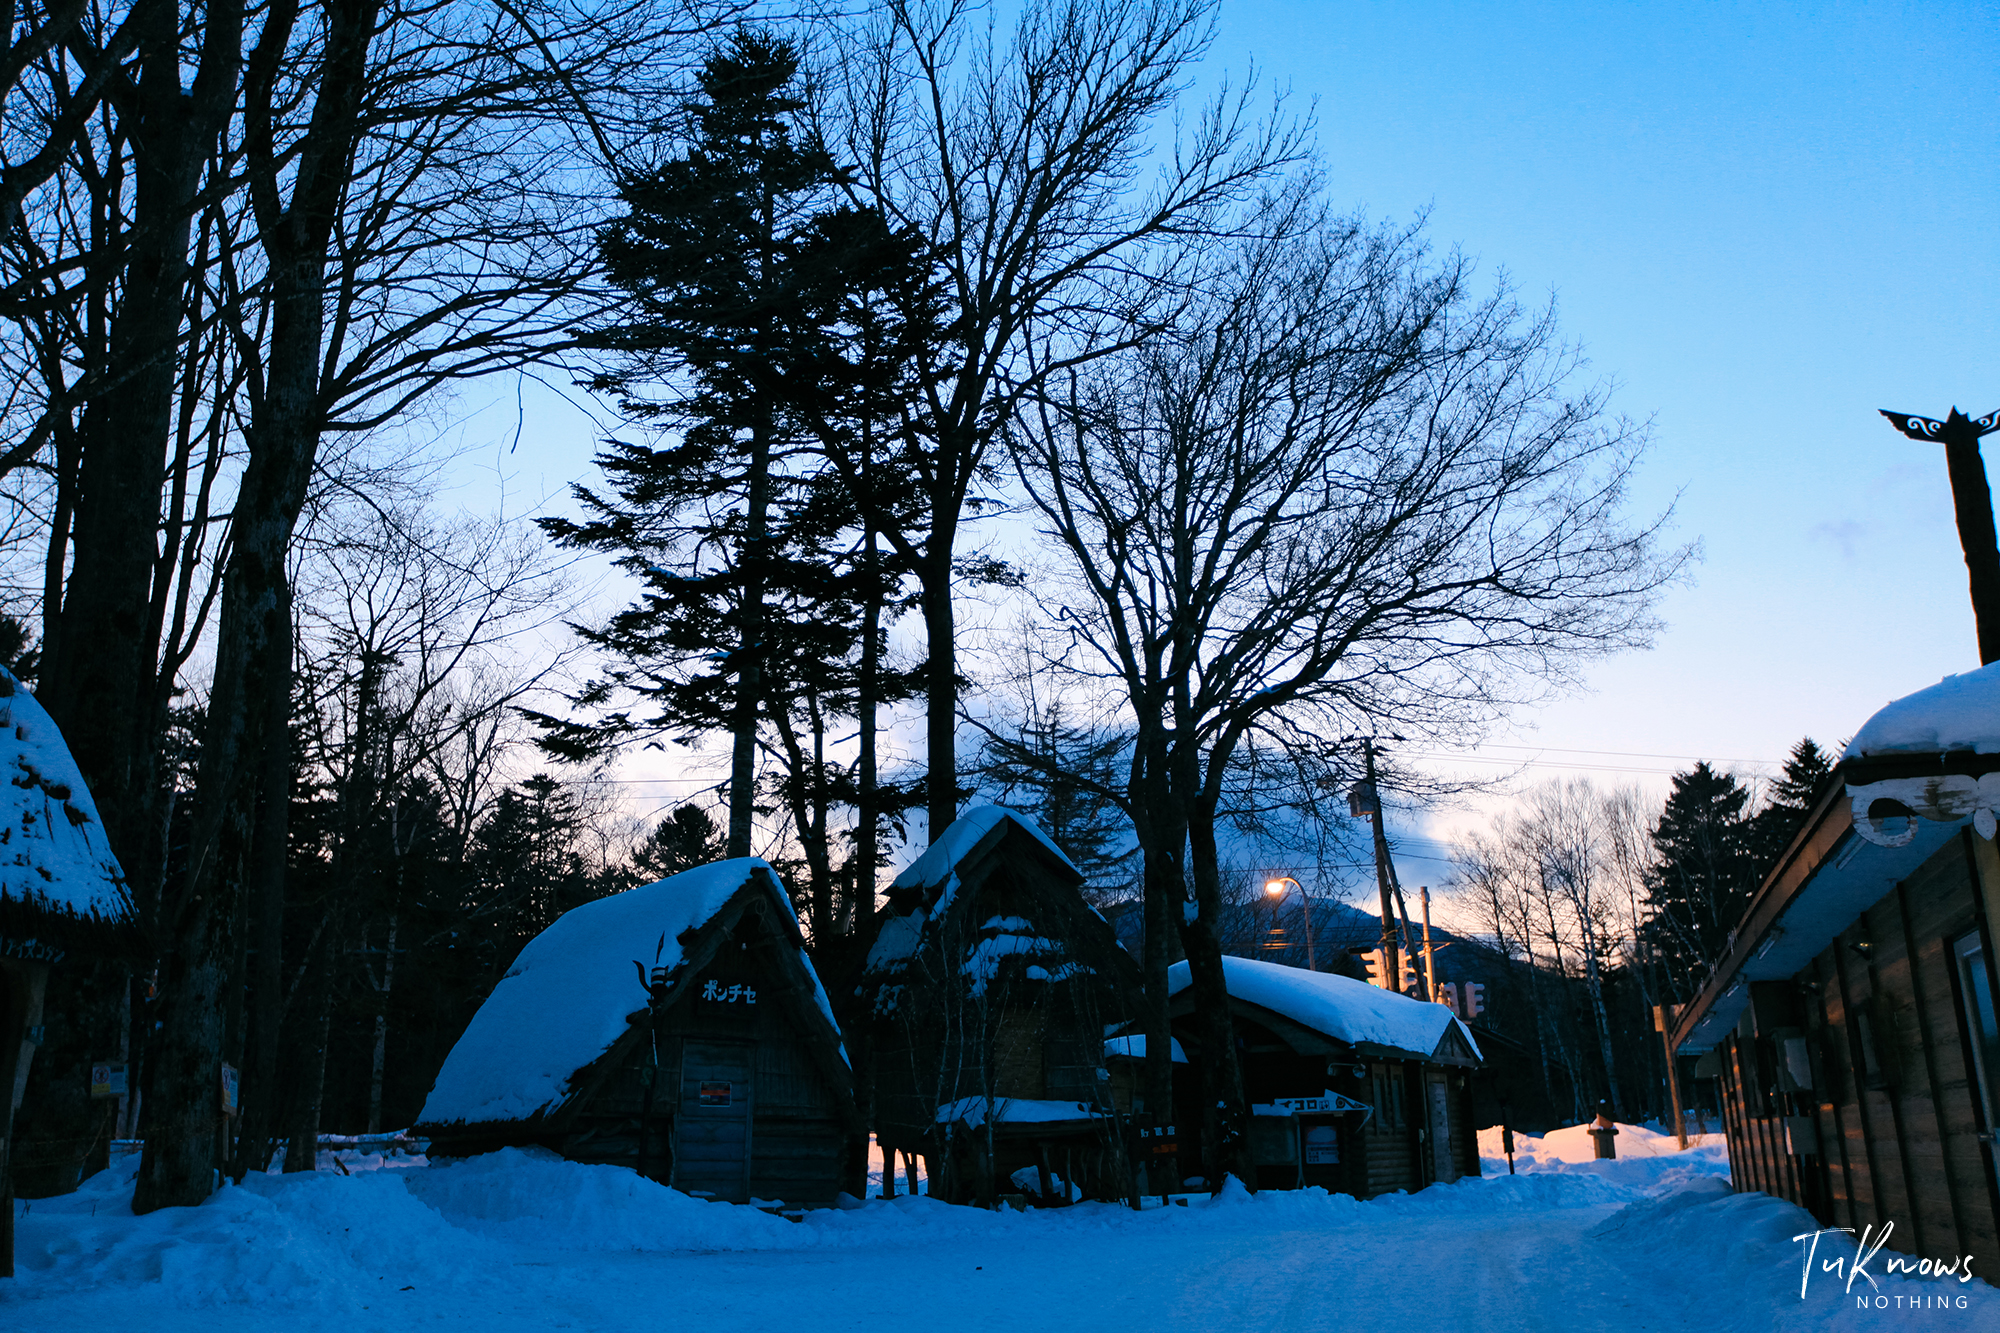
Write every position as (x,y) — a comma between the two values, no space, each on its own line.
(717,1094)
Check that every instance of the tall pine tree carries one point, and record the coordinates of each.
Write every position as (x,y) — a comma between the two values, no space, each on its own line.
(1704,877)
(709,255)
(780,322)
(1791,799)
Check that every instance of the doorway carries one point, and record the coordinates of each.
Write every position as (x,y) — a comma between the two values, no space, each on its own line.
(712,1132)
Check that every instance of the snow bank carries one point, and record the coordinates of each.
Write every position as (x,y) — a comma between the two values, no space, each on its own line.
(1958,713)
(1341,1007)
(518,1240)
(311,1240)
(52,848)
(1647,1158)
(533,1197)
(572,991)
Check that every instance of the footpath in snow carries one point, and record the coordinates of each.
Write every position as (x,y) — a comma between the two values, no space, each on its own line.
(524,1240)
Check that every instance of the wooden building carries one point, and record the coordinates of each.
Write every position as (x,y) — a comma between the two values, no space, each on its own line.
(1352,1087)
(63,914)
(678,1029)
(981,1015)
(1852,1024)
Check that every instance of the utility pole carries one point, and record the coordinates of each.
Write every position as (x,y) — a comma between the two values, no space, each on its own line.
(1430,962)
(1972,501)
(1366,799)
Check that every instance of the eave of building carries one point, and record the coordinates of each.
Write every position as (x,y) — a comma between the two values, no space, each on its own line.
(1828,877)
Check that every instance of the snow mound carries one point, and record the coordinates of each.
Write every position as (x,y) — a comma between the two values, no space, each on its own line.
(52,849)
(1960,712)
(1341,1007)
(304,1241)
(534,1197)
(1647,1158)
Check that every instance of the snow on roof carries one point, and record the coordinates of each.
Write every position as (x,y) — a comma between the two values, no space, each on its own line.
(1341,1007)
(902,936)
(1958,713)
(53,853)
(1134,1048)
(941,858)
(569,995)
(976,1111)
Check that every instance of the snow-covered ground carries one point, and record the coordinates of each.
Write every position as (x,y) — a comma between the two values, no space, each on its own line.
(517,1241)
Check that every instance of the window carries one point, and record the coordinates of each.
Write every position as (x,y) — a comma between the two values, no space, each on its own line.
(1982,1030)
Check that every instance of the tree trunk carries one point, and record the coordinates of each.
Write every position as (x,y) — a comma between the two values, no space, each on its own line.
(1593,982)
(1226,1115)
(379,1062)
(100,679)
(867,853)
(750,652)
(1162,838)
(941,677)
(283,439)
(308,1067)
(261,1108)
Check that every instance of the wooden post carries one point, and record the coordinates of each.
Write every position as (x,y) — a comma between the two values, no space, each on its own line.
(20,1015)
(1972,505)
(1663,1020)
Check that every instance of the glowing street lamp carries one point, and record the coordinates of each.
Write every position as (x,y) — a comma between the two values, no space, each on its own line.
(1276,888)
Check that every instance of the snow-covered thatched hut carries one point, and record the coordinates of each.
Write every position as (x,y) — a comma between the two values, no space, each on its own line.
(678,1029)
(1352,1087)
(62,899)
(982,1011)
(1853,1024)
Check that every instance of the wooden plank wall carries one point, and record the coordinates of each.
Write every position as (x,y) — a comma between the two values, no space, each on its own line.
(1892,1106)
(797,1137)
(1390,1138)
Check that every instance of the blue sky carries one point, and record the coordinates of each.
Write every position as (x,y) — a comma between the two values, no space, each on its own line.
(1763,222)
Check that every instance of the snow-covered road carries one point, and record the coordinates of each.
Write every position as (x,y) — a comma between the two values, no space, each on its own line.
(514,1242)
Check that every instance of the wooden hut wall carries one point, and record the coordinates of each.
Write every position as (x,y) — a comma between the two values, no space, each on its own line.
(782,1132)
(1387,1139)
(1890,1129)
(1035,1039)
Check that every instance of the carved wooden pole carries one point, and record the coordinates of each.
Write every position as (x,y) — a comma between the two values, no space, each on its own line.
(1973,501)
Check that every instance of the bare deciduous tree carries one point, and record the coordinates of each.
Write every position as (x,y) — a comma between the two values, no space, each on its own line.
(1342,492)
(1024,159)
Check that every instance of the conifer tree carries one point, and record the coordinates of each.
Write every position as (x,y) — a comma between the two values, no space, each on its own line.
(709,254)
(1791,800)
(785,322)
(1704,877)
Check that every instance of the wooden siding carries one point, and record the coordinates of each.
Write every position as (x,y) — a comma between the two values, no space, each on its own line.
(1390,1140)
(781,1139)
(1891,1119)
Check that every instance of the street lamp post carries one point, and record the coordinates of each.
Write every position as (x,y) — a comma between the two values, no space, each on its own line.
(1276,888)
(1972,502)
